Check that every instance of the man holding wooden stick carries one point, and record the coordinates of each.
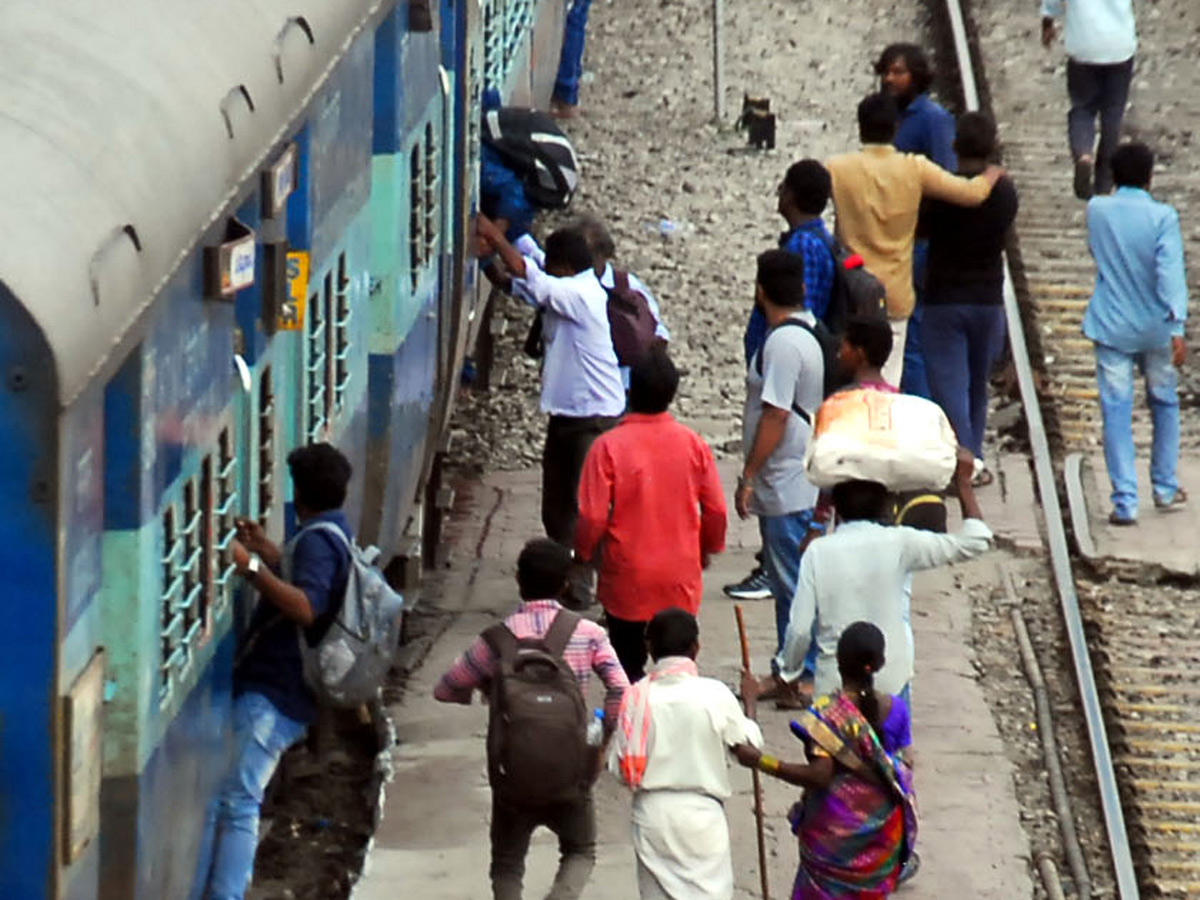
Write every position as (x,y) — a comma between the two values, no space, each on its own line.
(672,743)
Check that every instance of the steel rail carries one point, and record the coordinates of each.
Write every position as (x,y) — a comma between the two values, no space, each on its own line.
(1056,537)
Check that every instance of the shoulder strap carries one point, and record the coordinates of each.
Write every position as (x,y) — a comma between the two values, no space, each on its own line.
(799,410)
(328,528)
(502,641)
(560,631)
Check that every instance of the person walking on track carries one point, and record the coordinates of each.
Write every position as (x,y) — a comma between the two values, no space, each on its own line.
(538,766)
(672,747)
(1135,318)
(1101,40)
(651,511)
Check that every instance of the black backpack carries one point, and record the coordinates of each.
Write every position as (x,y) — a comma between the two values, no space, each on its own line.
(537,150)
(629,319)
(537,726)
(855,293)
(829,343)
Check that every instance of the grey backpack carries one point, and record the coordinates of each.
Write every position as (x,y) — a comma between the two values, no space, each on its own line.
(347,665)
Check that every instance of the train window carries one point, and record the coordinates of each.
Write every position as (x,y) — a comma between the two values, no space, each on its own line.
(518,15)
(416,218)
(331,327)
(340,350)
(171,632)
(493,46)
(224,512)
(195,564)
(316,368)
(432,196)
(266,446)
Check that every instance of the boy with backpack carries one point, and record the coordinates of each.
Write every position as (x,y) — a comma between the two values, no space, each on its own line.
(301,587)
(543,752)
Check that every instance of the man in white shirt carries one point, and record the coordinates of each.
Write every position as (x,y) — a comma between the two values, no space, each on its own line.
(1101,40)
(581,384)
(858,573)
(671,745)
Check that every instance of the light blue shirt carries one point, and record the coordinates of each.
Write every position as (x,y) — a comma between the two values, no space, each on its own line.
(1140,298)
(580,377)
(1101,32)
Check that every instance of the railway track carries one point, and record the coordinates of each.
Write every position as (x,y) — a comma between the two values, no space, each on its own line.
(1143,695)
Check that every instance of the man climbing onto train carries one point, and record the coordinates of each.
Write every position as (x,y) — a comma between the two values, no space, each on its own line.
(1101,40)
(582,391)
(300,587)
(540,769)
(1135,318)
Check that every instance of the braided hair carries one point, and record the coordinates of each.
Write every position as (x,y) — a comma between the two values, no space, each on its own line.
(860,656)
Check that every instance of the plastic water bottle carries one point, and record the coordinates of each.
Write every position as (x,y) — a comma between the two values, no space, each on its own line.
(595,729)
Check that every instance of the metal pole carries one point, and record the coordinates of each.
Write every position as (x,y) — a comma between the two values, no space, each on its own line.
(718,27)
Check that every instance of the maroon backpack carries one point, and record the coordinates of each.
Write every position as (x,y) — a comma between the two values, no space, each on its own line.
(537,727)
(629,319)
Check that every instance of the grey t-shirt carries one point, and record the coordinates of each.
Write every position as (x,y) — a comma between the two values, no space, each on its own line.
(793,372)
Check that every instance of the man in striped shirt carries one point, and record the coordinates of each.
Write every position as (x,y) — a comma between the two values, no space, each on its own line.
(542,571)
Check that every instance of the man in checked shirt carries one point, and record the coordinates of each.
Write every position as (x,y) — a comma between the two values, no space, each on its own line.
(542,572)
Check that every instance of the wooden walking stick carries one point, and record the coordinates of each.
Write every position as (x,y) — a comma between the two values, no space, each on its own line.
(758,794)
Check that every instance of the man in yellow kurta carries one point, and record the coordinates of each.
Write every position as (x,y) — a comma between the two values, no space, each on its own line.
(877,195)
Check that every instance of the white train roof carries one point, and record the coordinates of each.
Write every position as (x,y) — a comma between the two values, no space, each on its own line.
(117,113)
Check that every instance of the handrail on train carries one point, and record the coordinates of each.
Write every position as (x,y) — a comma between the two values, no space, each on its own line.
(1060,559)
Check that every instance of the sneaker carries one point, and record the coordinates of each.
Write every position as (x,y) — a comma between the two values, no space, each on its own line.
(753,587)
(1083,179)
(1177,501)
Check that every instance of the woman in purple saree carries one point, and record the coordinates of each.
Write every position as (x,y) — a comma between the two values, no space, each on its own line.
(857,820)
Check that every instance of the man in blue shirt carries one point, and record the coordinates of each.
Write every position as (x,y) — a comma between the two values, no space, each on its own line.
(1101,39)
(1135,317)
(928,130)
(300,587)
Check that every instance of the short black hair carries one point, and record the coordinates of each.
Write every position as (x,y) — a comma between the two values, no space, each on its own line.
(914,59)
(860,646)
(568,248)
(599,241)
(976,136)
(860,500)
(781,275)
(1132,165)
(672,632)
(810,185)
(542,569)
(878,116)
(872,336)
(653,381)
(320,473)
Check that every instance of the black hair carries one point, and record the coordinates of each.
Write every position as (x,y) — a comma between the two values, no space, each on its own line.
(810,185)
(542,569)
(915,61)
(598,239)
(568,248)
(878,116)
(1132,165)
(860,654)
(653,382)
(872,336)
(320,473)
(781,275)
(976,136)
(860,500)
(672,632)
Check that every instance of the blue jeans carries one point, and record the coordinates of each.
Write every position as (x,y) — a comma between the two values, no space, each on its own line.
(913,377)
(570,64)
(226,861)
(962,343)
(781,538)
(1114,378)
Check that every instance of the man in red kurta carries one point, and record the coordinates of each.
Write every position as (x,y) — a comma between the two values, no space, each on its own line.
(651,512)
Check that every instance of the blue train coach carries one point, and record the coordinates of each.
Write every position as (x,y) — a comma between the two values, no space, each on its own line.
(229,228)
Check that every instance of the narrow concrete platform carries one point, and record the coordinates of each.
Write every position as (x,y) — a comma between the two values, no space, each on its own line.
(433,840)
(1164,539)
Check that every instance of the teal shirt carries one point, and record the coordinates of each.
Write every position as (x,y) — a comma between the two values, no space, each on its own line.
(1140,298)
(1100,32)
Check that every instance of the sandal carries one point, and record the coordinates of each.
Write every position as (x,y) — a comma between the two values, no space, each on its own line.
(1119,520)
(982,477)
(1178,499)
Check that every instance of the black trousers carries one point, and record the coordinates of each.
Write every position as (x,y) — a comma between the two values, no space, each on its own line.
(512,827)
(629,642)
(1097,90)
(567,442)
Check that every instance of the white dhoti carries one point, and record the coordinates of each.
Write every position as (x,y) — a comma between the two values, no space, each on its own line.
(682,843)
